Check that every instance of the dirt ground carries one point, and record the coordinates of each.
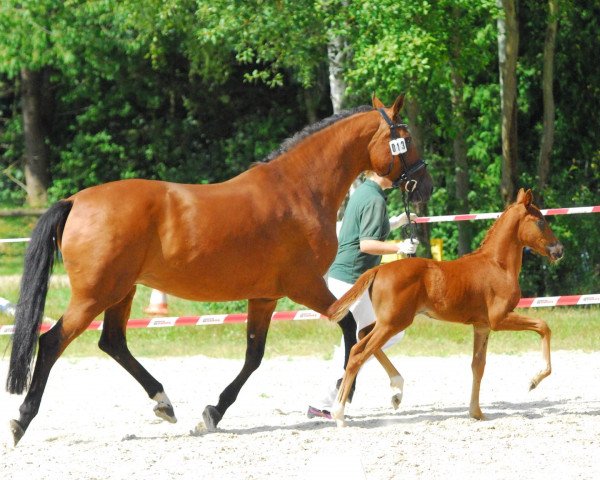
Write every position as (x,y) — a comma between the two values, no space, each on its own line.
(96,422)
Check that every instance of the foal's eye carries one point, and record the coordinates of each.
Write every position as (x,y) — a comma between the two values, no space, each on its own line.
(541,223)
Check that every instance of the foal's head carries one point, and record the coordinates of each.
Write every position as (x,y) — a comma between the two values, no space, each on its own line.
(534,232)
(400,161)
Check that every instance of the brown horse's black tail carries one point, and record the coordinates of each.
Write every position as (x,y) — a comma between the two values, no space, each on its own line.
(39,260)
(340,308)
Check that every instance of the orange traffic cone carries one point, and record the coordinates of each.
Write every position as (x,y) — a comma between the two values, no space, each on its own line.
(158,303)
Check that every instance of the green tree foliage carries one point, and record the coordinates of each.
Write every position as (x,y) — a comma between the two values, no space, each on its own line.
(137,95)
(197,90)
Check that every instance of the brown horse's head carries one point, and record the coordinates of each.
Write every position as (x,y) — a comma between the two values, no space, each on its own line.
(394,155)
(534,231)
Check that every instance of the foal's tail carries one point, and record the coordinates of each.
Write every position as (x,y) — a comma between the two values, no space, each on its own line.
(340,308)
(39,260)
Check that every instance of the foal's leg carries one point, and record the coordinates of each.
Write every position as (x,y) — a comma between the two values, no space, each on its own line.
(396,380)
(51,345)
(480,342)
(515,322)
(359,354)
(113,342)
(259,319)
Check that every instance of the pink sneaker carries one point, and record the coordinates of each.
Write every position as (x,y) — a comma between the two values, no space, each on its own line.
(315,412)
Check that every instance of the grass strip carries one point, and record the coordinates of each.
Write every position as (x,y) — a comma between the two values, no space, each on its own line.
(573,328)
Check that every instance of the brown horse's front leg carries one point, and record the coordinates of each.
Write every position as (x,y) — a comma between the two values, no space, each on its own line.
(480,342)
(515,322)
(259,320)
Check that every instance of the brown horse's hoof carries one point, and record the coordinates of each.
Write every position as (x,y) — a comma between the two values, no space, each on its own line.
(211,417)
(165,412)
(17,431)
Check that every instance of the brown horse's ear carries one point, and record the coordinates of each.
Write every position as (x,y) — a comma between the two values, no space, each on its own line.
(525,197)
(397,106)
(376,102)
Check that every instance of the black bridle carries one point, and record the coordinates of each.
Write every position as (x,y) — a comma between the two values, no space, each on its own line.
(399,147)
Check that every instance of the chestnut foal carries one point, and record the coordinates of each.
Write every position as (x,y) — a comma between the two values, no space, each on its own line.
(479,289)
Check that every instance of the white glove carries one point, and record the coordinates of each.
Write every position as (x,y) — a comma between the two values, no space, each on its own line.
(408,246)
(400,220)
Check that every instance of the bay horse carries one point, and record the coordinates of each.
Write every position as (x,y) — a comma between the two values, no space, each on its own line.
(266,234)
(479,289)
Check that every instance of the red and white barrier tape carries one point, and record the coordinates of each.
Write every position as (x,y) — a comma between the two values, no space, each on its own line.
(560,301)
(312,315)
(14,240)
(299,315)
(488,216)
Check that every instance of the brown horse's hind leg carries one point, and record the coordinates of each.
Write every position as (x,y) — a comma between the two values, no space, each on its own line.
(480,342)
(51,345)
(259,319)
(48,352)
(515,322)
(114,343)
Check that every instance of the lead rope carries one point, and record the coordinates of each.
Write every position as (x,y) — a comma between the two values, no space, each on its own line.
(411,224)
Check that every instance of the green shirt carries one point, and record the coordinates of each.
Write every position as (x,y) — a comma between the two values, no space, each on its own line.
(365,218)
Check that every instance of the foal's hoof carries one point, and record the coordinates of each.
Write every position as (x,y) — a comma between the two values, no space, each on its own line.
(396,400)
(17,431)
(165,412)
(477,415)
(535,381)
(340,422)
(211,417)
(532,385)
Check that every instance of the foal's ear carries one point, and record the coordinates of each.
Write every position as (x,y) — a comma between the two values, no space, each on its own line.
(376,102)
(397,106)
(525,197)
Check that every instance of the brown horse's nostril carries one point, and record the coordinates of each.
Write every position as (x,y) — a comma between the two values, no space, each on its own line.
(424,189)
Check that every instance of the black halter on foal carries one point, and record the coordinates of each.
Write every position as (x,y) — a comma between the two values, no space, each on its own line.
(399,146)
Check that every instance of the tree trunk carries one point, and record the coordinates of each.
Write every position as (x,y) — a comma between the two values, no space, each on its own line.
(508,49)
(459,145)
(311,106)
(423,229)
(336,53)
(313,95)
(547,140)
(37,178)
(337,49)
(461,170)
(411,107)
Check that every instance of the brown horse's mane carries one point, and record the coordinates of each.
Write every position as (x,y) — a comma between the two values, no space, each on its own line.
(307,131)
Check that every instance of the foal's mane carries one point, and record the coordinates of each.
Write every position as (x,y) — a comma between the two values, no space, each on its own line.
(491,232)
(531,209)
(307,131)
